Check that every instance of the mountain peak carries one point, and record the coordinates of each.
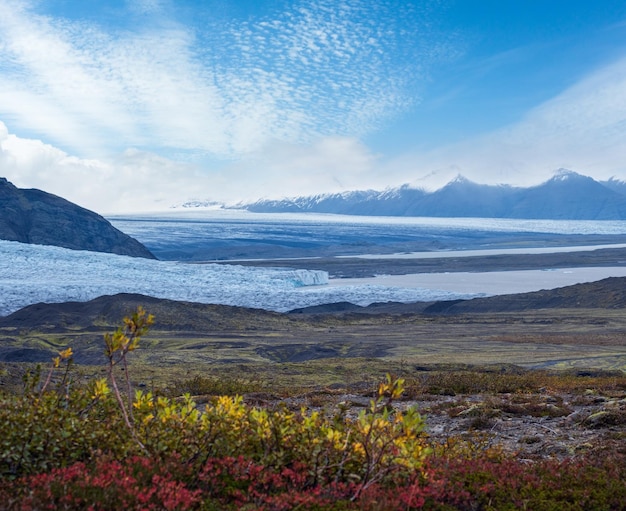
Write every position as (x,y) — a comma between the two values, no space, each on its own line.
(5,183)
(461,179)
(566,174)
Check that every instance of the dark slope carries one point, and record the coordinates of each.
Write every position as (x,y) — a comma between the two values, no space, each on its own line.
(608,293)
(106,312)
(604,294)
(34,216)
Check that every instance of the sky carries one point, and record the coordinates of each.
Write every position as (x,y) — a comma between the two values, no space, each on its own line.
(138,105)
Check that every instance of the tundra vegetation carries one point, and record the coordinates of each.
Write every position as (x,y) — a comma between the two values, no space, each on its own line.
(74,441)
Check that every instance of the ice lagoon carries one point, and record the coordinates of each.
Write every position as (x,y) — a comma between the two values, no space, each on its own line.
(489,283)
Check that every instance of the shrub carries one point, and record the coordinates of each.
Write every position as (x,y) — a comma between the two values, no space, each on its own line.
(508,483)
(41,431)
(208,385)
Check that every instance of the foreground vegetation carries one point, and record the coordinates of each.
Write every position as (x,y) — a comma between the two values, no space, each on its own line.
(103,444)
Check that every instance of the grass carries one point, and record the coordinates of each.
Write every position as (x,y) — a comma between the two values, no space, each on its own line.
(288,379)
(560,339)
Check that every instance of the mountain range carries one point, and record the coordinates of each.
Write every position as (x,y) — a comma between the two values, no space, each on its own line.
(566,196)
(37,217)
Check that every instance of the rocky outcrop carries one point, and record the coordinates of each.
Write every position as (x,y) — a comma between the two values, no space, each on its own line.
(34,216)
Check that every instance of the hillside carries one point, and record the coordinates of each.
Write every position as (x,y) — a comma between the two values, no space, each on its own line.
(605,294)
(34,216)
(608,293)
(588,318)
(106,312)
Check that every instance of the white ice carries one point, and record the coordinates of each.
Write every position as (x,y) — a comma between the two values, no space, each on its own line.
(32,273)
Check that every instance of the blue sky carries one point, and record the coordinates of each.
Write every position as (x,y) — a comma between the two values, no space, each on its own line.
(137,105)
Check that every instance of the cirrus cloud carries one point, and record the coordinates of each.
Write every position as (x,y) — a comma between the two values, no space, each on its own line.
(316,68)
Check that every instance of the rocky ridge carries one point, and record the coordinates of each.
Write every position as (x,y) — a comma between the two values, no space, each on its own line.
(34,216)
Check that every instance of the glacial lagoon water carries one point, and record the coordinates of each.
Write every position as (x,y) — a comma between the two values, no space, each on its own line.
(489,283)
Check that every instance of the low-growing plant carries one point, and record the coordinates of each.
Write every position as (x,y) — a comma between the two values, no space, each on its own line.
(134,483)
(483,481)
(535,406)
(466,381)
(550,485)
(212,385)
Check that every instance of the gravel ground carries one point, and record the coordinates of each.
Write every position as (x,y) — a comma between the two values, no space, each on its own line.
(531,426)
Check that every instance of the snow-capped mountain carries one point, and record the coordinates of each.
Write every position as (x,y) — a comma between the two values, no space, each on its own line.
(567,196)
(570,196)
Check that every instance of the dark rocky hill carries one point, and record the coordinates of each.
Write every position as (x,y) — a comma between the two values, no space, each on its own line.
(106,312)
(608,293)
(34,216)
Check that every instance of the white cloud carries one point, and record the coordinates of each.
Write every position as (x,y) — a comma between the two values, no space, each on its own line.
(328,164)
(582,129)
(134,181)
(145,6)
(270,106)
(140,181)
(315,69)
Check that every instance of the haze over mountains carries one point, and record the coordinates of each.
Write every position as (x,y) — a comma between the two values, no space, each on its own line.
(566,196)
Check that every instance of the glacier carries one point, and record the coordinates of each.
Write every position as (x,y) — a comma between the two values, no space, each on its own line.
(209,236)
(34,273)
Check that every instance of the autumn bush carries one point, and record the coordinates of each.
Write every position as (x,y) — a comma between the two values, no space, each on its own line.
(478,482)
(134,483)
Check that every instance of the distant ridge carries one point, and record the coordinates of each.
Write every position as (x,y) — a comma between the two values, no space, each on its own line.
(566,196)
(34,216)
(609,293)
(106,311)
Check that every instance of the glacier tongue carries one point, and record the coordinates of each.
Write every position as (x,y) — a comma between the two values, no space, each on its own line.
(31,273)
